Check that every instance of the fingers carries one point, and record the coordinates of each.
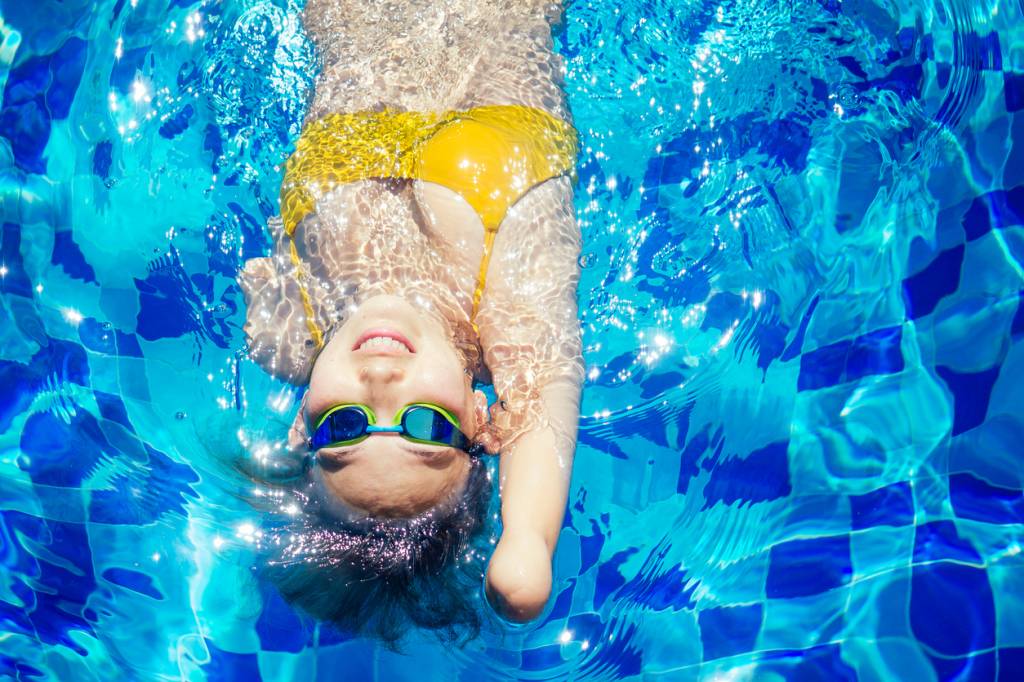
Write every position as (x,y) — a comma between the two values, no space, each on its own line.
(492,446)
(259,269)
(487,436)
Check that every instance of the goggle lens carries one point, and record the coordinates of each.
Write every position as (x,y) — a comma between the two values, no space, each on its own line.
(347,424)
(424,423)
(341,426)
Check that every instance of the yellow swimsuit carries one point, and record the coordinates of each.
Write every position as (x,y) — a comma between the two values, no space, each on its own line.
(491,156)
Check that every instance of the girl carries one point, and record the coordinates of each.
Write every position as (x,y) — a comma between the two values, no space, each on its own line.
(426,241)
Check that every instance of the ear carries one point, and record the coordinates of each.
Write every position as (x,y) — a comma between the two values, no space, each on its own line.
(298,434)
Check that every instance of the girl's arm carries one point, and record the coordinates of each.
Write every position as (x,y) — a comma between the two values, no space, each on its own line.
(535,474)
(275,318)
(531,338)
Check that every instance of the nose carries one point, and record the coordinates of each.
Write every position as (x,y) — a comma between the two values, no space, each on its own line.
(380,372)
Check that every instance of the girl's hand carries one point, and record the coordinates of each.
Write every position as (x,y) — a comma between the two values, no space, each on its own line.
(519,576)
(488,437)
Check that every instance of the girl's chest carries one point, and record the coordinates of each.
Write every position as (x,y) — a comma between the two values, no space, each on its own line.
(450,221)
(386,229)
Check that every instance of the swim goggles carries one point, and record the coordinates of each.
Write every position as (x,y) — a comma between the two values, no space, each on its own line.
(424,423)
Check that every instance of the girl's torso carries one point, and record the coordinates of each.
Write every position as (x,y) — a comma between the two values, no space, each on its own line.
(427,56)
(419,239)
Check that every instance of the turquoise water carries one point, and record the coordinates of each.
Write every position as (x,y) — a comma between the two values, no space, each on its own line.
(800,454)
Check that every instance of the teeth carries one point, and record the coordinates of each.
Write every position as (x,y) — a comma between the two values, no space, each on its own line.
(383,342)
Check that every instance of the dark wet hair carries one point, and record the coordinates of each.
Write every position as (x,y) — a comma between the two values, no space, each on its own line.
(379,577)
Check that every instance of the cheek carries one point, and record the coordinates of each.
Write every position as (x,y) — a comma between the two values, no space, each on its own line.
(320,378)
(443,382)
(321,394)
(443,377)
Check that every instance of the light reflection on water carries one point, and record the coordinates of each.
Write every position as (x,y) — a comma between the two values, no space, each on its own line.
(789,445)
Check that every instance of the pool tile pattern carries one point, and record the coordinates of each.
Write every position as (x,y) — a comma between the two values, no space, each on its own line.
(849,506)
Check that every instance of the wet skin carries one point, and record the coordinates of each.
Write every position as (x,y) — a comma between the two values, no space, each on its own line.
(386,475)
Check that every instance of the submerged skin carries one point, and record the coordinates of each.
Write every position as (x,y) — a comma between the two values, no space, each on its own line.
(402,256)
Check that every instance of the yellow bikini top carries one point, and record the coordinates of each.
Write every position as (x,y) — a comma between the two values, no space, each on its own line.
(490,155)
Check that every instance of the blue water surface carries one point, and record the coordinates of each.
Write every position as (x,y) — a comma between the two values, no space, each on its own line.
(801,450)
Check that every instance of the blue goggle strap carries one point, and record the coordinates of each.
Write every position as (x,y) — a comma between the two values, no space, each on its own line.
(373,428)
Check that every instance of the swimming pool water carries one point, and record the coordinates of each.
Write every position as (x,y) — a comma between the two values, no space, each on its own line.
(800,455)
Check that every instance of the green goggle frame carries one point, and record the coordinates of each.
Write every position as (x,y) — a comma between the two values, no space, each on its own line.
(424,423)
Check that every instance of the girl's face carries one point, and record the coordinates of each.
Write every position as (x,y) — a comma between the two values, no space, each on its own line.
(387,355)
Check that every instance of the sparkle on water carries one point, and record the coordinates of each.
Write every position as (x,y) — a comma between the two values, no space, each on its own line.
(801,298)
